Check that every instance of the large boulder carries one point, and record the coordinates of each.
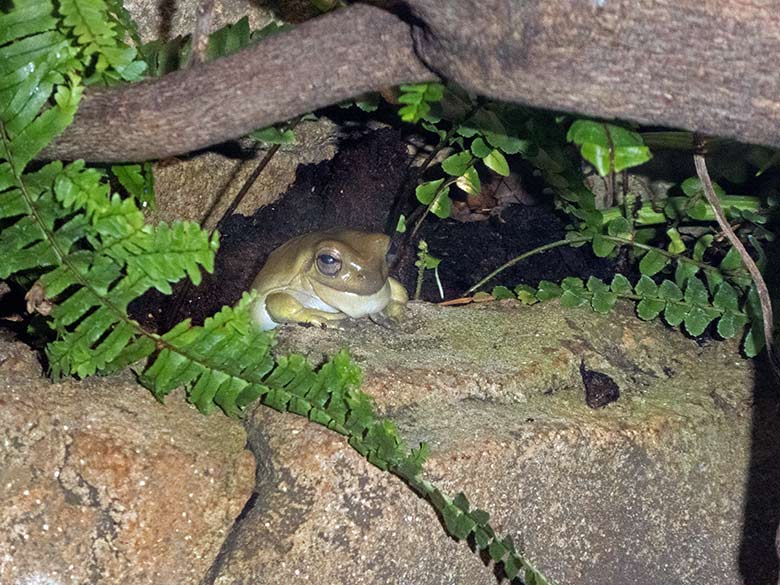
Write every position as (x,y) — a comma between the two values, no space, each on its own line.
(99,483)
(647,488)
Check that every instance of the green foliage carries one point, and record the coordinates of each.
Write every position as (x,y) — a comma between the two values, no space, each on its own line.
(694,305)
(609,148)
(273,135)
(480,136)
(671,235)
(417,99)
(100,43)
(426,261)
(138,182)
(462,522)
(435,194)
(91,249)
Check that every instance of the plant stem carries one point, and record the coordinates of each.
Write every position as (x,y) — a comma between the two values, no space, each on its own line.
(672,255)
(755,273)
(418,288)
(523,256)
(446,184)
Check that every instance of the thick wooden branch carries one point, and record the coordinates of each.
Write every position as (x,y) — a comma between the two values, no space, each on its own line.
(704,65)
(319,63)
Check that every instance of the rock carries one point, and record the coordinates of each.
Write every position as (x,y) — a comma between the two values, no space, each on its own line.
(166,19)
(16,358)
(201,187)
(101,484)
(649,488)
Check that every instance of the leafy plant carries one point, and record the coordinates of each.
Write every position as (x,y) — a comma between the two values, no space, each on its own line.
(417,99)
(729,294)
(674,234)
(609,148)
(692,306)
(479,139)
(426,261)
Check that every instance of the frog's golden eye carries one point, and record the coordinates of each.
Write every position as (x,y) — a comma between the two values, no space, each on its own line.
(328,263)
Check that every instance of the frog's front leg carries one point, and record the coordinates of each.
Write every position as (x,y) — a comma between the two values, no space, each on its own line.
(395,311)
(284,308)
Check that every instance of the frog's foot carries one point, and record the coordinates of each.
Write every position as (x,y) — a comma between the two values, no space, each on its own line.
(284,308)
(322,324)
(317,318)
(392,316)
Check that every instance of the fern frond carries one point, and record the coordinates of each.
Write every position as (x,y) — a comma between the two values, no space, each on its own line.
(100,39)
(125,22)
(94,249)
(222,363)
(103,257)
(27,18)
(36,61)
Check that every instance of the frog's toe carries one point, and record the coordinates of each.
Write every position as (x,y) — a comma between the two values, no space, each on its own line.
(388,319)
(396,312)
(383,320)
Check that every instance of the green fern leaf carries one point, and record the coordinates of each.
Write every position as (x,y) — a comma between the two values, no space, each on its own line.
(28,17)
(223,363)
(99,38)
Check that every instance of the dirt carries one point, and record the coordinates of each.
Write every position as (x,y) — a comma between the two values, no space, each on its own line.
(358,189)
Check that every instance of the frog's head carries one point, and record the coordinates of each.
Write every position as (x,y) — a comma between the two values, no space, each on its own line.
(349,261)
(348,270)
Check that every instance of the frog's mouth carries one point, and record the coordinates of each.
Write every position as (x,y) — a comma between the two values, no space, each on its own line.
(353,304)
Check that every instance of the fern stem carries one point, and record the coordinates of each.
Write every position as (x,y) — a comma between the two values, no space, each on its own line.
(667,253)
(521,257)
(27,198)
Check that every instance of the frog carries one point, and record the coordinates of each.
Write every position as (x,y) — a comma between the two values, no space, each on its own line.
(322,277)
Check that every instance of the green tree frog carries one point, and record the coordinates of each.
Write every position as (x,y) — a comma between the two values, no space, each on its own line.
(325,276)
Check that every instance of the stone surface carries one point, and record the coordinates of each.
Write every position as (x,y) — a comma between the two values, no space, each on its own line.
(16,358)
(99,483)
(648,489)
(166,19)
(201,187)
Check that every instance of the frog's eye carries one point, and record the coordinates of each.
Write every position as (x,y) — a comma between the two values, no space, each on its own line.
(328,263)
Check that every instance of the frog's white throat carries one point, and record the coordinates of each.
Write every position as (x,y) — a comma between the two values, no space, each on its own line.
(351,304)
(326,299)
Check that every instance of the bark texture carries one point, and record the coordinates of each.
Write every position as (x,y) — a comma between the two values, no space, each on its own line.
(704,65)
(319,63)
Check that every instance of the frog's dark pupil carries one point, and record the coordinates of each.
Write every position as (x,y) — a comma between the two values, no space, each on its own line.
(327,259)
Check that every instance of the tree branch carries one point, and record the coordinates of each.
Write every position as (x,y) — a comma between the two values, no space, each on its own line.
(318,63)
(708,66)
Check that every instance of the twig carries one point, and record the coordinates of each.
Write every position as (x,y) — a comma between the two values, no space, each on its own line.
(200,34)
(755,273)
